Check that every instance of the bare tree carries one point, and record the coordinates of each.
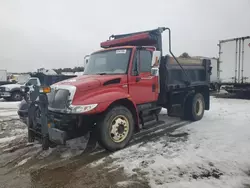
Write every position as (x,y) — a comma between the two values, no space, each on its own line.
(184,55)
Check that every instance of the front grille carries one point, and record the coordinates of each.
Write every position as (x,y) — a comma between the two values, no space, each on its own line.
(58,98)
(2,89)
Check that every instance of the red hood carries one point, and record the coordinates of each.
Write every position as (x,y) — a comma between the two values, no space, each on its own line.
(87,82)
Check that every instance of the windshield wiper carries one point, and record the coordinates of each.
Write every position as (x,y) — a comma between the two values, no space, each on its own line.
(102,73)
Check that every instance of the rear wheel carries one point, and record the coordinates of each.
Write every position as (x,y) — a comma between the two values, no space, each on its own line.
(116,128)
(194,107)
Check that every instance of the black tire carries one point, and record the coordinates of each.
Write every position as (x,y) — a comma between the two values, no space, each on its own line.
(31,134)
(106,139)
(45,142)
(16,96)
(194,107)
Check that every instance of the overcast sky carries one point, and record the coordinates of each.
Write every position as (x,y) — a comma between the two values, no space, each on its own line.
(59,33)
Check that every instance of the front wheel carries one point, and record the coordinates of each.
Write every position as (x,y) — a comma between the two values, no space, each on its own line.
(116,128)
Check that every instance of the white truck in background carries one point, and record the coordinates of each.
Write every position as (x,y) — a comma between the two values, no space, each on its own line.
(234,65)
(3,75)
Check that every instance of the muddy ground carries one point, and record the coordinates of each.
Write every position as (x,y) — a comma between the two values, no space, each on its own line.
(26,165)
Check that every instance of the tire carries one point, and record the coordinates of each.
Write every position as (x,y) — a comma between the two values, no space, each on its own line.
(45,142)
(16,96)
(194,107)
(122,120)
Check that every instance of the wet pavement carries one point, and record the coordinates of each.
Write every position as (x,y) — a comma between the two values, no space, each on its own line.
(26,165)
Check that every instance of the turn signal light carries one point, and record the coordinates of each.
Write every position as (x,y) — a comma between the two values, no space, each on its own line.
(45,90)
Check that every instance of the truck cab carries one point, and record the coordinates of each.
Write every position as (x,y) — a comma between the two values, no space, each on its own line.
(124,85)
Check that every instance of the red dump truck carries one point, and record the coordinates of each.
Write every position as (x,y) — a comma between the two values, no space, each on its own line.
(124,85)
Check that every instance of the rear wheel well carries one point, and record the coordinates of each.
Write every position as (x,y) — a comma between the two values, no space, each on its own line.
(128,104)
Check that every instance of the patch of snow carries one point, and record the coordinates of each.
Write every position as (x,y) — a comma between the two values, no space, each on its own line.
(22,162)
(125,183)
(7,139)
(164,111)
(68,154)
(215,154)
(9,105)
(18,131)
(8,110)
(97,163)
(45,153)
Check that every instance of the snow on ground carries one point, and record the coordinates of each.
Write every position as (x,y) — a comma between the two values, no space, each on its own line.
(213,152)
(8,110)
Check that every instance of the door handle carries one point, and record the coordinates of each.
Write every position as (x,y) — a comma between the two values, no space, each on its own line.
(138,79)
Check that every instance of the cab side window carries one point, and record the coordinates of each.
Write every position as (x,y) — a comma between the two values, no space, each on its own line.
(145,60)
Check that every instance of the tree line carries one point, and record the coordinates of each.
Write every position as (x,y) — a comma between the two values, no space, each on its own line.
(75,69)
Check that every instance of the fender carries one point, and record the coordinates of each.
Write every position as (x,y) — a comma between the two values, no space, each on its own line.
(100,95)
(103,99)
(113,97)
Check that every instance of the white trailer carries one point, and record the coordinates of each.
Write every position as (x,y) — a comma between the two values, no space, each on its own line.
(214,78)
(3,75)
(234,64)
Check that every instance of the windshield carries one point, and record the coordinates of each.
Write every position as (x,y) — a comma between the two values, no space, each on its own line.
(108,62)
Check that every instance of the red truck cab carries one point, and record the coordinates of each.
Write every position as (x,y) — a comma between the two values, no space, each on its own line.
(114,74)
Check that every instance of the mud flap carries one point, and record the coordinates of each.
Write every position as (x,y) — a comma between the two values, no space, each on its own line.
(91,143)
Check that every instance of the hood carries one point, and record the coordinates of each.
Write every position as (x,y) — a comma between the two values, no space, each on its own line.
(87,82)
(11,86)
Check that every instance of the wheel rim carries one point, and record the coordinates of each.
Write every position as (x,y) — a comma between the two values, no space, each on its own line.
(17,96)
(119,129)
(198,107)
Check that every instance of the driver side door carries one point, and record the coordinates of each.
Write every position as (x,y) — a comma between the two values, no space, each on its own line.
(142,85)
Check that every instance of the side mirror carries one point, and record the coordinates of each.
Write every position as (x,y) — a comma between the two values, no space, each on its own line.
(156,59)
(86,60)
(155,63)
(155,71)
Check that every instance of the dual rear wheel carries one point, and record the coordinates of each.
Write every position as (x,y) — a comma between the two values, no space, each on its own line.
(194,107)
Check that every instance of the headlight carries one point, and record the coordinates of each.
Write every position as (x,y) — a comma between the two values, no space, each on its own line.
(7,89)
(82,108)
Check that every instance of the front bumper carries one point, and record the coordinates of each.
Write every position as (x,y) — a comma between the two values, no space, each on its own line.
(4,94)
(61,127)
